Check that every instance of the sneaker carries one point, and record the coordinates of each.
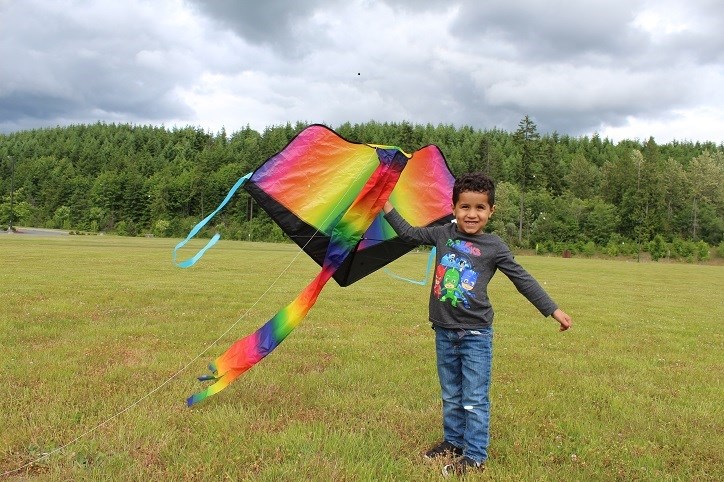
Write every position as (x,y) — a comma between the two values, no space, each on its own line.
(443,449)
(461,466)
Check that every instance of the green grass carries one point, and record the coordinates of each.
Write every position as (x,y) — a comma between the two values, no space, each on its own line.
(91,327)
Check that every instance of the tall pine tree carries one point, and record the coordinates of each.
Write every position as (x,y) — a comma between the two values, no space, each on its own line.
(527,140)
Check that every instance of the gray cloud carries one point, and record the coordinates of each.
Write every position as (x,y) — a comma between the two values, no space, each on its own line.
(575,67)
(71,62)
(579,65)
(270,22)
(544,31)
(17,107)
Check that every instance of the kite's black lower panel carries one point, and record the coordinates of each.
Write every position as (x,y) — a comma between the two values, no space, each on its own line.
(357,265)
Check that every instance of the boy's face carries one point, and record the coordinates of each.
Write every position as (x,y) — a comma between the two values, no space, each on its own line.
(472,212)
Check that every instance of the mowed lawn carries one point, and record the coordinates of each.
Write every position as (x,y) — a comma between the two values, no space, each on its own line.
(102,338)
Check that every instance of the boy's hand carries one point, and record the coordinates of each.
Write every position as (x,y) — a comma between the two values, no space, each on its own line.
(562,318)
(387,207)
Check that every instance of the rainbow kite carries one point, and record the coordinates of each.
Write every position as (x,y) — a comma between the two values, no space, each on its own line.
(327,194)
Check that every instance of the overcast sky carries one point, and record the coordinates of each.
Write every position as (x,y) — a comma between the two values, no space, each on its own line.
(622,68)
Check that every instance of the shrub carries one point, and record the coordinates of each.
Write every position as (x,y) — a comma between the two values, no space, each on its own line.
(555,247)
(181,227)
(588,249)
(657,248)
(545,247)
(682,249)
(161,228)
(701,250)
(121,228)
(611,249)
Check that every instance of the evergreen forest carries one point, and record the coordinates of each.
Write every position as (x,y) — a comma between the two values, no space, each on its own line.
(555,193)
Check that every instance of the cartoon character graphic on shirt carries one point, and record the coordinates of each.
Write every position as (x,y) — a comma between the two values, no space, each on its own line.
(454,276)
(450,284)
(467,283)
(456,261)
(439,274)
(463,264)
(449,261)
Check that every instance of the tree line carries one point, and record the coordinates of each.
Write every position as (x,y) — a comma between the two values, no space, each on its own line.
(554,192)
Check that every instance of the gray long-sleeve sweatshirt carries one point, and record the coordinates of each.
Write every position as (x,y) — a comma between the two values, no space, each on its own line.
(465,265)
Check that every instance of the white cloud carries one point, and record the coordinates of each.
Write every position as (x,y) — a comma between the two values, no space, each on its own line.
(697,124)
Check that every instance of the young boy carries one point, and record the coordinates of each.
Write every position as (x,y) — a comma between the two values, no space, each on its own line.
(462,316)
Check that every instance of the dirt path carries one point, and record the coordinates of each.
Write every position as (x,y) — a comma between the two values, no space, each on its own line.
(36,232)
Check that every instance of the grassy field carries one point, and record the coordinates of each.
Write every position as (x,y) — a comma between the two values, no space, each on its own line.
(102,338)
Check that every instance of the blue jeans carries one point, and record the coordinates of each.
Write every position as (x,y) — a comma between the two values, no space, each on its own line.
(464,359)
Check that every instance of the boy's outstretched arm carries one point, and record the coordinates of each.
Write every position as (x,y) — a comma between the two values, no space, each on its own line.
(562,317)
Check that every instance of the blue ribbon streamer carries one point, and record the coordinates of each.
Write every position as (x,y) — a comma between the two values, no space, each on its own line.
(191,261)
(423,282)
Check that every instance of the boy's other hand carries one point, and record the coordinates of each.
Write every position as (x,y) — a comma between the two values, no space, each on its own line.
(562,317)
(387,207)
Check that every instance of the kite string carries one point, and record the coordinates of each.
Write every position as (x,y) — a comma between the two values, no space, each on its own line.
(164,383)
(47,455)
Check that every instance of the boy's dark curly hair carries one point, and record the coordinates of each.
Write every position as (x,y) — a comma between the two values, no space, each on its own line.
(475,182)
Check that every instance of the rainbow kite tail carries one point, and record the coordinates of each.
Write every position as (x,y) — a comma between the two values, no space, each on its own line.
(222,382)
(246,355)
(248,351)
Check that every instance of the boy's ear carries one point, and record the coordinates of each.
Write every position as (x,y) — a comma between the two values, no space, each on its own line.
(492,209)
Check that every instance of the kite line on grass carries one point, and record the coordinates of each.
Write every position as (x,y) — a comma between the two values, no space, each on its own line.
(132,405)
